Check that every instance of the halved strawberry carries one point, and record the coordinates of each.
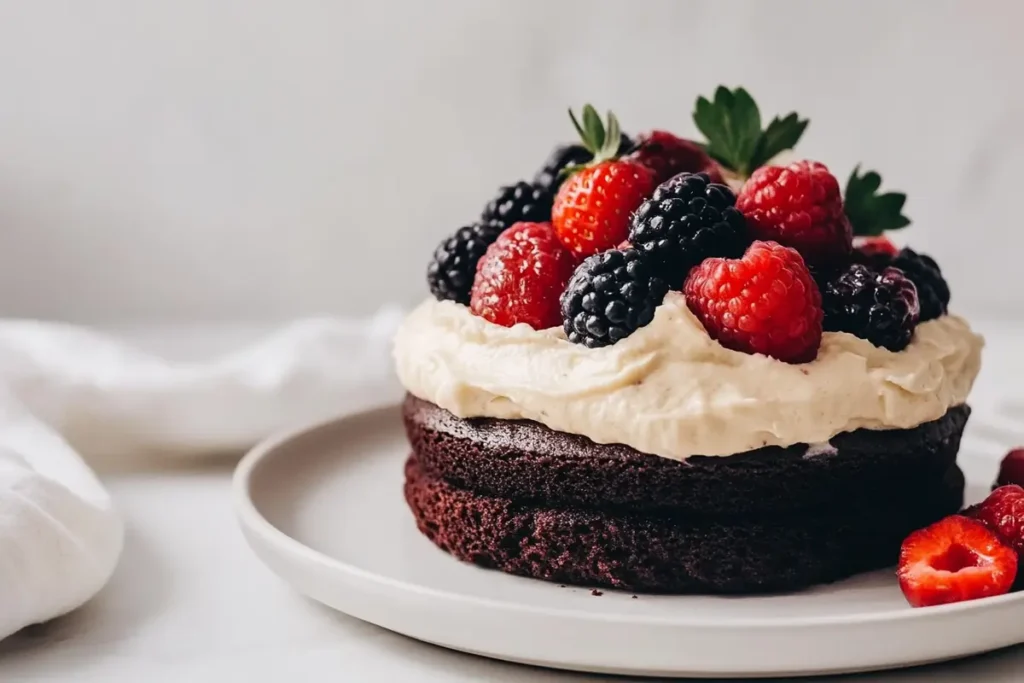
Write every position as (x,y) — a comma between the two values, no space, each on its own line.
(953,560)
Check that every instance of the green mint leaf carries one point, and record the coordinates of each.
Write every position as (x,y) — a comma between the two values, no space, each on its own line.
(780,135)
(871,213)
(731,122)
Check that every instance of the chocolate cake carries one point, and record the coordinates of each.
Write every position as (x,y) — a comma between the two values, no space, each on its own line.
(658,381)
(522,498)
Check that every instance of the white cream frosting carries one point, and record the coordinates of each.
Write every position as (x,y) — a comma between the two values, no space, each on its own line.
(670,390)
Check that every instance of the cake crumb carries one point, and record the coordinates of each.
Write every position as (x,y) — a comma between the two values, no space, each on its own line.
(596,592)
(633,596)
(561,585)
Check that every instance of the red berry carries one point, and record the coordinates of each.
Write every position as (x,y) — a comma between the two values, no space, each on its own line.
(765,302)
(877,246)
(667,155)
(800,206)
(1003,513)
(592,208)
(1011,469)
(953,560)
(521,276)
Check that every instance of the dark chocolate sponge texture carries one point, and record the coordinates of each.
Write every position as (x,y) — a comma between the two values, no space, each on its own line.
(664,553)
(530,464)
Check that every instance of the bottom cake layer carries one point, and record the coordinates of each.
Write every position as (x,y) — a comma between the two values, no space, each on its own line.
(656,553)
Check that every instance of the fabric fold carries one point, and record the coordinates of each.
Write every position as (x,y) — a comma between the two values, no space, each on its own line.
(68,394)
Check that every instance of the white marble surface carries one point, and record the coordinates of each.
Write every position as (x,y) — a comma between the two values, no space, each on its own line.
(190,602)
(203,159)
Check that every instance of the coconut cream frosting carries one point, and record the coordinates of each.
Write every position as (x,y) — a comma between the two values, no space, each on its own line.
(670,390)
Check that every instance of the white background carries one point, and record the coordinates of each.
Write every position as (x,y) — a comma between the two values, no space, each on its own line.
(259,159)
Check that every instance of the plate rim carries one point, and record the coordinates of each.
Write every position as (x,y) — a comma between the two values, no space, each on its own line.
(253,521)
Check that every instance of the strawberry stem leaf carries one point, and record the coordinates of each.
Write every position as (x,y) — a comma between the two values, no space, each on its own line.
(731,122)
(872,213)
(601,138)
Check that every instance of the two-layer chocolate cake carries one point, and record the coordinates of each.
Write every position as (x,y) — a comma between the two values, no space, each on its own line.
(633,378)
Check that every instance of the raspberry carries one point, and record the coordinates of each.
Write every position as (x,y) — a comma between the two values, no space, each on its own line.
(667,155)
(592,208)
(609,297)
(1011,469)
(799,206)
(686,220)
(765,302)
(923,271)
(550,175)
(955,559)
(451,271)
(519,203)
(520,277)
(880,307)
(870,246)
(1003,513)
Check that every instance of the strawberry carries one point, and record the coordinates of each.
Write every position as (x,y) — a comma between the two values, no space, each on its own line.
(800,206)
(953,560)
(667,155)
(1011,469)
(765,302)
(520,277)
(592,208)
(1003,513)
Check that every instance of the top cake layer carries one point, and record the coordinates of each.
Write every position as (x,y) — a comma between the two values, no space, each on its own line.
(671,390)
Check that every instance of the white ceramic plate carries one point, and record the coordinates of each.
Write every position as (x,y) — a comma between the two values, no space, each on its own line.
(323,508)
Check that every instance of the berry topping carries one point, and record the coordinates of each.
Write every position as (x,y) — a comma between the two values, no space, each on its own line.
(1003,513)
(451,271)
(765,302)
(732,125)
(880,307)
(592,208)
(871,213)
(686,220)
(923,271)
(609,297)
(798,205)
(565,157)
(519,203)
(953,560)
(870,246)
(1011,469)
(667,155)
(520,277)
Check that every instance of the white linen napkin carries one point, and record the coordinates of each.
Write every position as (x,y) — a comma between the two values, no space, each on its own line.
(66,392)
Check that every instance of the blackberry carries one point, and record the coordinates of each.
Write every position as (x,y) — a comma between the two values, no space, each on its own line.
(880,306)
(609,297)
(686,220)
(924,272)
(451,271)
(932,290)
(520,202)
(550,178)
